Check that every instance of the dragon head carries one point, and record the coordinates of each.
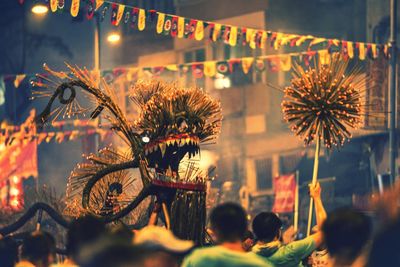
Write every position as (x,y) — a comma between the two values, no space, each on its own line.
(174,121)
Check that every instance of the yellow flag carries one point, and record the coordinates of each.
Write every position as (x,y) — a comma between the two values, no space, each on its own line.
(99,3)
(142,19)
(210,68)
(18,80)
(75,7)
(199,32)
(53,5)
(277,42)
(324,57)
(160,22)
(217,30)
(374,51)
(361,49)
(251,38)
(263,39)
(120,13)
(301,40)
(249,35)
(317,41)
(172,67)
(247,62)
(285,62)
(233,36)
(181,27)
(350,49)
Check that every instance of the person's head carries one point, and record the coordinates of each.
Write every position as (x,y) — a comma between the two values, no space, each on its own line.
(386,246)
(228,222)
(39,249)
(247,240)
(81,232)
(8,252)
(267,226)
(346,232)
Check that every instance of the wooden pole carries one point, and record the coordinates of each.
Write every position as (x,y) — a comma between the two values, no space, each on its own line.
(313,182)
(296,204)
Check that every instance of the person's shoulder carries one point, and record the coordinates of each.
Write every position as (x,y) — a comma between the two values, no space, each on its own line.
(201,256)
(258,260)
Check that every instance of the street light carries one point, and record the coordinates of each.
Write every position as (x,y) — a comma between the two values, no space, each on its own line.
(39,9)
(113,37)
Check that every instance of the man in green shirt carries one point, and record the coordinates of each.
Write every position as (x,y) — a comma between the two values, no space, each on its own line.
(229,224)
(267,228)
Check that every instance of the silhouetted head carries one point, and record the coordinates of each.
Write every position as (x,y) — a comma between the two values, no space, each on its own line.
(38,248)
(267,226)
(229,222)
(346,232)
(81,232)
(8,252)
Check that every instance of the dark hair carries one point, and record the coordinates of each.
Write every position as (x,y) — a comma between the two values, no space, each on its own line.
(83,231)
(229,221)
(346,232)
(38,246)
(8,252)
(266,226)
(385,246)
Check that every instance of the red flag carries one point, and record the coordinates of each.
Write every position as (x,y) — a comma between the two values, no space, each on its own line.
(284,189)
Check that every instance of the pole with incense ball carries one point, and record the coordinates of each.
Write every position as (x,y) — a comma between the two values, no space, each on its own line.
(313,182)
(322,103)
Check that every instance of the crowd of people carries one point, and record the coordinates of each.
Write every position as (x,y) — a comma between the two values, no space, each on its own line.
(345,237)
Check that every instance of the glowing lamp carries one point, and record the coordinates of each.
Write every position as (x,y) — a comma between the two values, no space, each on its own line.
(39,9)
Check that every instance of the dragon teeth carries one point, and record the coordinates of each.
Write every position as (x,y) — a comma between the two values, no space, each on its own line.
(163,147)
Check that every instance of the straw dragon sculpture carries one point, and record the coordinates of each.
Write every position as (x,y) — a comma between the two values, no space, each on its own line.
(172,123)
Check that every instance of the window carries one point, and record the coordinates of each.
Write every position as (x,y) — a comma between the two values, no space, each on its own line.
(264,174)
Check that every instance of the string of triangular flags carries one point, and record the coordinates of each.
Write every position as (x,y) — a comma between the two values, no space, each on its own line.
(11,134)
(211,68)
(183,27)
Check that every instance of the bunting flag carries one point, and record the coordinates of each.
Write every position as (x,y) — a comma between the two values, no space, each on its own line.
(199,32)
(142,20)
(246,64)
(90,9)
(180,27)
(361,49)
(174,26)
(99,3)
(120,14)
(160,22)
(210,68)
(14,135)
(53,5)
(75,7)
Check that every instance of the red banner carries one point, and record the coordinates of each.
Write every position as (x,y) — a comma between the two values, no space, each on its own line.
(17,161)
(284,188)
